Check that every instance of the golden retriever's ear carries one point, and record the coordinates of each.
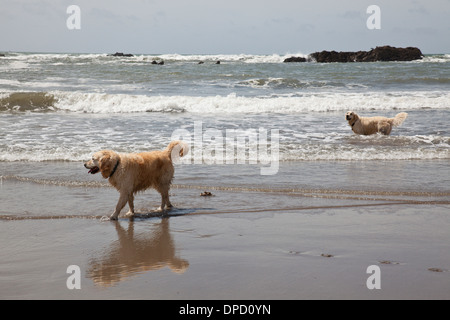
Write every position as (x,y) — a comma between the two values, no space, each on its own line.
(105,164)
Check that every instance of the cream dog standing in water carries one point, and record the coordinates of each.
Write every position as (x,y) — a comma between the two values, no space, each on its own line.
(134,172)
(372,125)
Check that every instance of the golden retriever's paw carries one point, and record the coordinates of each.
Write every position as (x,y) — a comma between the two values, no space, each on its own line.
(165,210)
(129,214)
(113,217)
(105,218)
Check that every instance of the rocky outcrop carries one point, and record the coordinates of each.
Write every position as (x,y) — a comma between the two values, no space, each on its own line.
(386,53)
(120,54)
(295,59)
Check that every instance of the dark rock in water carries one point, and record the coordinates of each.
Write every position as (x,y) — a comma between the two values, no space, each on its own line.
(218,62)
(120,54)
(156,62)
(2,55)
(386,53)
(201,62)
(295,59)
(333,56)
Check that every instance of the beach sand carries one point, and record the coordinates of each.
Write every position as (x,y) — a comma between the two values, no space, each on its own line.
(246,241)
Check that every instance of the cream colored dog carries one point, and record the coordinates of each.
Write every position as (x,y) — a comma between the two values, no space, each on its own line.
(372,125)
(133,172)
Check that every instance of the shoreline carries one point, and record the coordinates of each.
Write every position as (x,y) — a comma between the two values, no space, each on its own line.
(266,241)
(352,199)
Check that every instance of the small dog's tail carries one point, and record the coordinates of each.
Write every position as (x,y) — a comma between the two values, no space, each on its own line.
(177,149)
(399,118)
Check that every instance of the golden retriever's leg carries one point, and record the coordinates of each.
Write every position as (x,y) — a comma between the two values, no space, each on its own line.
(130,212)
(166,199)
(384,128)
(165,202)
(120,204)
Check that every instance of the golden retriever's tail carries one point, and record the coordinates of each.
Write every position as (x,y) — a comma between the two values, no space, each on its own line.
(177,149)
(399,118)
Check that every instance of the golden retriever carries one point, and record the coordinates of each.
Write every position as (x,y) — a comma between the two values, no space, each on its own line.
(372,125)
(134,172)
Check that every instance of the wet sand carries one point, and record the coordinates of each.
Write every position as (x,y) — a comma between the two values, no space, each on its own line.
(243,242)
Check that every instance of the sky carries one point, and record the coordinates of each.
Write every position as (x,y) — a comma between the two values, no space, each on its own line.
(222,27)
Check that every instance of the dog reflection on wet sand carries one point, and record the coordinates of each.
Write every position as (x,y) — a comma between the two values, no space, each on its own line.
(136,253)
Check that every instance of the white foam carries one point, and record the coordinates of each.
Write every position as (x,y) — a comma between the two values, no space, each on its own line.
(288,151)
(58,59)
(290,104)
(15,65)
(244,58)
(331,152)
(442,58)
(7,82)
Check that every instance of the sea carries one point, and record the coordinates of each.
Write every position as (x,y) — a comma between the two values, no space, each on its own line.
(277,197)
(252,122)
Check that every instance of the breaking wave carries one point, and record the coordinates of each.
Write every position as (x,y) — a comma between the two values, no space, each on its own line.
(20,60)
(27,101)
(103,103)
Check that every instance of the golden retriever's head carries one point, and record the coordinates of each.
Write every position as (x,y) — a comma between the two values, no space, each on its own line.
(104,161)
(351,116)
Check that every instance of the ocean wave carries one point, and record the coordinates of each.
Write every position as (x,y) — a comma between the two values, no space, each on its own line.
(343,147)
(103,103)
(302,153)
(23,60)
(243,58)
(435,58)
(292,83)
(285,83)
(305,147)
(27,101)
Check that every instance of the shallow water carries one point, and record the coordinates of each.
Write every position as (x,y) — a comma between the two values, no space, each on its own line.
(58,189)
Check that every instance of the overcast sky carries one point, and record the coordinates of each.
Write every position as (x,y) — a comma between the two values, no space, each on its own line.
(225,26)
